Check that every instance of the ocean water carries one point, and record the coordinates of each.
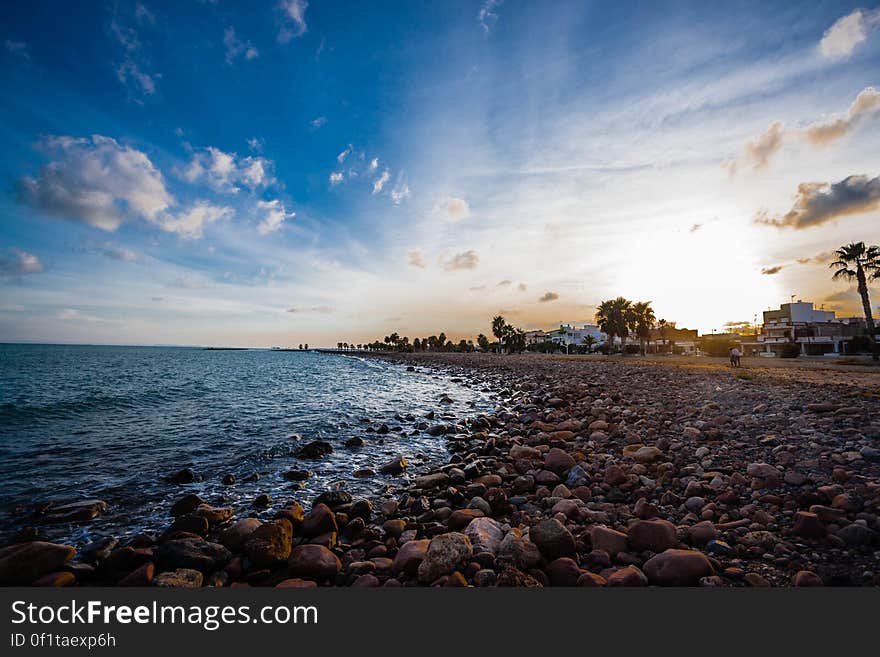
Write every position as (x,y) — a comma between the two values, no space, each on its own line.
(81,422)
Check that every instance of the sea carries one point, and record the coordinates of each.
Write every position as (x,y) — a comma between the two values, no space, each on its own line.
(113,423)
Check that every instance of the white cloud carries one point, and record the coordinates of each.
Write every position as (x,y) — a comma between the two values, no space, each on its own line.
(400,192)
(190,224)
(344,154)
(17,48)
(416,258)
(336,177)
(131,70)
(293,19)
(236,48)
(226,172)
(466,260)
(488,14)
(274,215)
(841,39)
(256,144)
(116,252)
(379,183)
(374,164)
(456,208)
(317,122)
(19,262)
(96,181)
(866,104)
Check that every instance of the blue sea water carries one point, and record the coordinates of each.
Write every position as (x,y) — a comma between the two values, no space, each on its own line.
(112,423)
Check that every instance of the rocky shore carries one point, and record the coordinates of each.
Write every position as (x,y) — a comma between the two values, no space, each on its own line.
(589,473)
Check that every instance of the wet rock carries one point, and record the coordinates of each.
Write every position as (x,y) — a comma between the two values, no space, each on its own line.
(485,534)
(654,535)
(427,482)
(141,576)
(333,498)
(215,515)
(409,556)
(56,580)
(397,465)
(81,511)
(25,562)
(678,568)
(462,518)
(315,450)
(297,474)
(183,476)
(186,504)
(228,480)
(269,543)
(446,553)
(181,578)
(314,562)
(553,539)
(192,553)
(355,441)
(262,500)
(320,520)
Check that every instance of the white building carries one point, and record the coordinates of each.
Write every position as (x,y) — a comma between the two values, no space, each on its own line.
(567,335)
(815,332)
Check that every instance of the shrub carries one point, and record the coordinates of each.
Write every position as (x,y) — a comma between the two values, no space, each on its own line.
(858,345)
(790,350)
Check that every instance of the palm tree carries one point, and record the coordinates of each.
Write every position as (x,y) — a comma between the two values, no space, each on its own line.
(862,263)
(589,342)
(498,328)
(613,316)
(662,325)
(643,320)
(483,341)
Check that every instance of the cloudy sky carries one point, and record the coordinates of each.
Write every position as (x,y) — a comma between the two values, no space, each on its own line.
(231,173)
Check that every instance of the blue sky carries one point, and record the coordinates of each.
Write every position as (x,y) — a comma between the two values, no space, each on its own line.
(284,172)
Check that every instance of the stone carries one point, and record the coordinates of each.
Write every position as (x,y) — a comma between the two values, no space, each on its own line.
(56,580)
(269,543)
(215,515)
(186,504)
(462,518)
(193,554)
(313,562)
(320,520)
(25,562)
(514,577)
(806,578)
(629,576)
(647,454)
(615,475)
(678,568)
(808,525)
(394,527)
(140,576)
(558,461)
(296,583)
(181,578)
(856,534)
(427,482)
(446,553)
(702,532)
(397,465)
(553,539)
(81,511)
(563,572)
(315,450)
(409,556)
(297,474)
(485,534)
(654,535)
(607,539)
(515,549)
(183,476)
(591,580)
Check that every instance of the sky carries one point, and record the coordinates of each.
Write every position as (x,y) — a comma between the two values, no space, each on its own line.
(286,172)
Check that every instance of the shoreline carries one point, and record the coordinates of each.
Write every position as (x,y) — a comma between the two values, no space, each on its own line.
(590,473)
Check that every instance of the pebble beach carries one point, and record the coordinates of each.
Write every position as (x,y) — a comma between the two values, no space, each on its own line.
(589,472)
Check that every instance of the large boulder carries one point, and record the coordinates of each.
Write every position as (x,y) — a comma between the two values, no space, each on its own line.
(192,553)
(409,556)
(654,535)
(678,568)
(552,539)
(320,520)
(485,534)
(81,511)
(233,538)
(610,540)
(313,562)
(516,550)
(269,543)
(25,562)
(446,554)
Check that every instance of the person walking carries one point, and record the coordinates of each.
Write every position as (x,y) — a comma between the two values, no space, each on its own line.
(735,355)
